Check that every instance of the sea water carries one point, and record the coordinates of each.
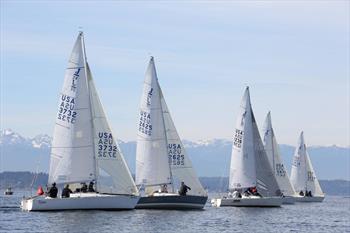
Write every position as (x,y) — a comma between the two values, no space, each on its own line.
(332,215)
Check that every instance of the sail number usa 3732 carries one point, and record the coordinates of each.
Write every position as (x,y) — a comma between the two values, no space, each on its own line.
(106,147)
(66,111)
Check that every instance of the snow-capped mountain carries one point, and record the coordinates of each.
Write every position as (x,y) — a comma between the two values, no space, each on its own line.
(41,140)
(209,142)
(209,157)
(9,137)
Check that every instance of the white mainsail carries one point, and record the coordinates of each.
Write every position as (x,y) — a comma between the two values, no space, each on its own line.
(72,152)
(109,159)
(275,159)
(181,166)
(242,169)
(303,176)
(152,166)
(249,163)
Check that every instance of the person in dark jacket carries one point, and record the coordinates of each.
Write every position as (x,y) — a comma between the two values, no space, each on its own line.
(53,191)
(91,187)
(83,188)
(183,189)
(66,192)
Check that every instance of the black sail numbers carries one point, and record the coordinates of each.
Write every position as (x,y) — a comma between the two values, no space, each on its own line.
(66,111)
(106,146)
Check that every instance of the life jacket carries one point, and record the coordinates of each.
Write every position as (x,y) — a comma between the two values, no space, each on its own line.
(40,191)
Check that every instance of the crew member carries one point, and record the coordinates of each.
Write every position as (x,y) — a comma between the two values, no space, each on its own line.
(66,191)
(53,191)
(91,187)
(183,189)
(83,188)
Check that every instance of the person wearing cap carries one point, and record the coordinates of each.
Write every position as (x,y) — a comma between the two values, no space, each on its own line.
(53,191)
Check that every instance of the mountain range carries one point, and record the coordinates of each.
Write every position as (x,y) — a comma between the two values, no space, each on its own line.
(210,158)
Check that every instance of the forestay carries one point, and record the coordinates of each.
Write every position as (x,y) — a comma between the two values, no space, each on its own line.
(72,158)
(109,159)
(181,166)
(152,166)
(242,169)
(275,159)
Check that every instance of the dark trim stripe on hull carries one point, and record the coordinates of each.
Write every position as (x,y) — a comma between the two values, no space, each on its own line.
(172,202)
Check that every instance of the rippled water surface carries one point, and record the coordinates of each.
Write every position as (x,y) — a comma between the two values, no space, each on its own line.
(333,215)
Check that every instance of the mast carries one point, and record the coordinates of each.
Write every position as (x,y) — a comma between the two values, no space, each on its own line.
(166,138)
(306,172)
(92,121)
(273,154)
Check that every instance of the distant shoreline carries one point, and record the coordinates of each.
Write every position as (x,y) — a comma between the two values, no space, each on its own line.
(23,180)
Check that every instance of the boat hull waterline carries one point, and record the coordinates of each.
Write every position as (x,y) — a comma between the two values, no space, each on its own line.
(172,202)
(248,202)
(81,202)
(289,200)
(310,199)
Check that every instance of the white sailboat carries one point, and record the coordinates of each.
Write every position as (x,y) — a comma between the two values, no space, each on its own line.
(303,176)
(250,168)
(276,162)
(84,147)
(161,160)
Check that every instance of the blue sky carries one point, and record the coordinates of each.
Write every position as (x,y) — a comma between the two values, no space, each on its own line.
(294,55)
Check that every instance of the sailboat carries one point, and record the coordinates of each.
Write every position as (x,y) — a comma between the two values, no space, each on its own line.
(161,159)
(251,182)
(303,176)
(276,162)
(8,191)
(84,149)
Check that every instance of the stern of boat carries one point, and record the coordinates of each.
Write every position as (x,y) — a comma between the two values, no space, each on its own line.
(27,204)
(215,202)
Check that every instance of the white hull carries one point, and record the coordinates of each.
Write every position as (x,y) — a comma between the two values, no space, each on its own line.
(248,202)
(288,200)
(82,201)
(309,199)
